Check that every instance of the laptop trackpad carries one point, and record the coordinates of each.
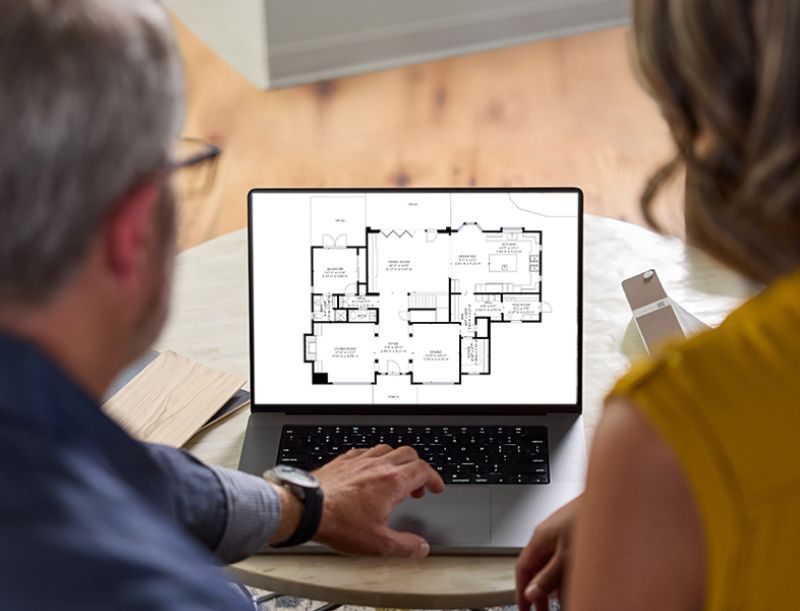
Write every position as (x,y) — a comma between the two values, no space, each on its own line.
(457,516)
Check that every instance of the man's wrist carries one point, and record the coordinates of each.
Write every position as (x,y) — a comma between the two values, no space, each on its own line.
(291,514)
(253,511)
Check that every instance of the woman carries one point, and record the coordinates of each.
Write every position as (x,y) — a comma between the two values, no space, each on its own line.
(693,492)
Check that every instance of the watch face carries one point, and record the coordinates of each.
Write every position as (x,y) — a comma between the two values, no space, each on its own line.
(298,477)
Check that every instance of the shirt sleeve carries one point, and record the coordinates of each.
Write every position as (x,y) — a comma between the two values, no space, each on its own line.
(232,513)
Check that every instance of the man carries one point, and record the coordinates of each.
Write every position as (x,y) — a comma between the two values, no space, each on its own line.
(90,518)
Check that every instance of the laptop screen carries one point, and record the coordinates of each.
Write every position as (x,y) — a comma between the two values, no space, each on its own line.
(419,301)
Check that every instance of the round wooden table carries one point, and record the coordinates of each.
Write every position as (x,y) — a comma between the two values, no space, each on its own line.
(209,323)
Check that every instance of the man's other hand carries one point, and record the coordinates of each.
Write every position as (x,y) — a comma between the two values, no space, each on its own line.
(362,487)
(543,563)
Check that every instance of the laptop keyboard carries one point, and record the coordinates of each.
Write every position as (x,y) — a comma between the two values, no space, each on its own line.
(461,454)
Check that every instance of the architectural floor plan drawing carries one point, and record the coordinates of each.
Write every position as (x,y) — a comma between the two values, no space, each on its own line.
(408,297)
(409,293)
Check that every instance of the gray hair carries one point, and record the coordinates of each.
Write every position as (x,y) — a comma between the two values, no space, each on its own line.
(91,103)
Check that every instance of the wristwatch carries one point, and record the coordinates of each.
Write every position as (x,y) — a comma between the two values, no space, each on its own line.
(305,487)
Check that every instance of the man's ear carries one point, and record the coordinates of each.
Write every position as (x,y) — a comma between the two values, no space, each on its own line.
(129,230)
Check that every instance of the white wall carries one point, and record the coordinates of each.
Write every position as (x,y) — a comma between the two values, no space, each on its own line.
(235,29)
(311,40)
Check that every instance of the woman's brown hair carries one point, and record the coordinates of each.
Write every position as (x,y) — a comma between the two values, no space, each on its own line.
(726,75)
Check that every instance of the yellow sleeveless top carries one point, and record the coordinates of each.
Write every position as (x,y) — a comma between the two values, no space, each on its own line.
(728,403)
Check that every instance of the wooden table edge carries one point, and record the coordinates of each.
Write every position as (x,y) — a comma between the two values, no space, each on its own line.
(397,599)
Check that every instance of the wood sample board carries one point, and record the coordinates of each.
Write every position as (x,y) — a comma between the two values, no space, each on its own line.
(171,399)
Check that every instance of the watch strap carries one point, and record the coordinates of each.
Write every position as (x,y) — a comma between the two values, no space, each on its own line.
(310,521)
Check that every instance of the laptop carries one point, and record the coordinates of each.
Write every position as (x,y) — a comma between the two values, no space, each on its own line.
(444,319)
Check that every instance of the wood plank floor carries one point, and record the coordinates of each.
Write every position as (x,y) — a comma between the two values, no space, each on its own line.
(564,112)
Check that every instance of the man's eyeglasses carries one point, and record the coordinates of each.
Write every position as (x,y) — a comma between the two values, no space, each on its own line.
(193,165)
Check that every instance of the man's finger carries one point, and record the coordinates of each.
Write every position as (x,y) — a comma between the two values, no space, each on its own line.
(418,493)
(396,544)
(420,474)
(353,453)
(402,455)
(379,450)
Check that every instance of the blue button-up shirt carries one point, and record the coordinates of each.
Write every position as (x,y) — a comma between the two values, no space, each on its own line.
(92,519)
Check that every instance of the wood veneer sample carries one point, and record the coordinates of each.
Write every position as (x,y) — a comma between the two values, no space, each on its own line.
(171,399)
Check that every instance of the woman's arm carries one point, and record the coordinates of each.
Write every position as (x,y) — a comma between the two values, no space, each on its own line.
(639,537)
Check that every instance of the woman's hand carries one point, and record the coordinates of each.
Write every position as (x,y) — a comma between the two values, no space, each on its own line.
(542,564)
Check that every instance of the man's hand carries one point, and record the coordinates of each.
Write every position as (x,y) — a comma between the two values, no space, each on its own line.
(361,488)
(542,564)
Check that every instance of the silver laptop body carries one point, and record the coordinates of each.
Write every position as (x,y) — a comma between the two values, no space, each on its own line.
(429,307)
